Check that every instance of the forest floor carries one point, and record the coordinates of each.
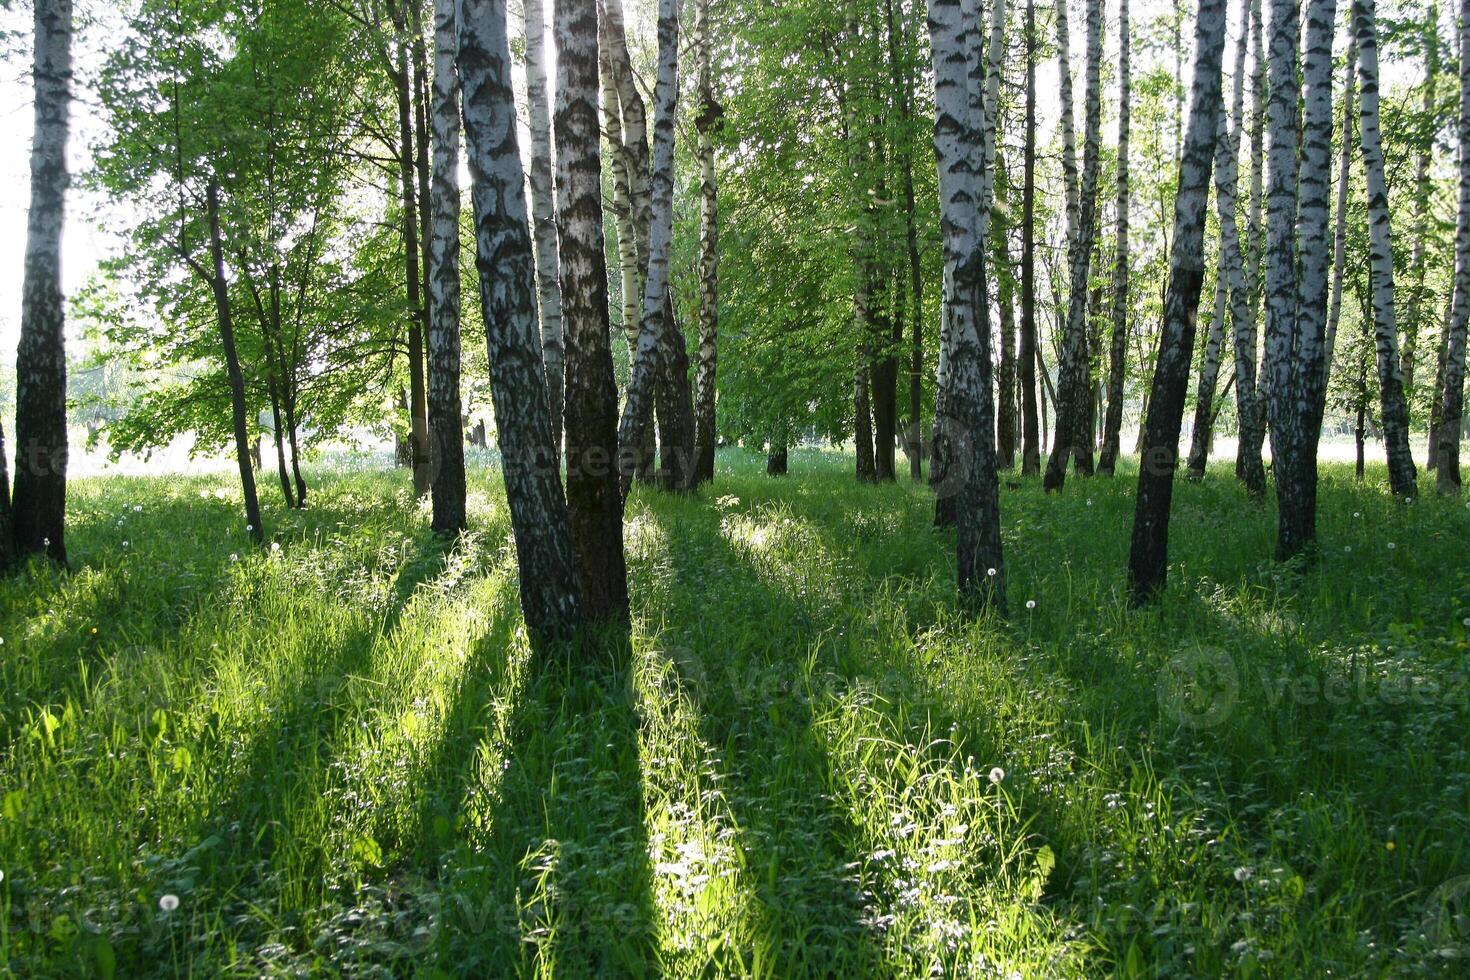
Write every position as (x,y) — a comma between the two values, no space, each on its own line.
(337,756)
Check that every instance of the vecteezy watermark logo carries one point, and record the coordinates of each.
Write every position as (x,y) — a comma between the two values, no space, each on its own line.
(1447,919)
(1199,687)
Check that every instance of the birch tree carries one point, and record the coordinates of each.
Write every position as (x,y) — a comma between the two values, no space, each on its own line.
(444,300)
(543,215)
(38,509)
(1149,556)
(969,426)
(1447,479)
(1118,349)
(1344,184)
(657,333)
(539,520)
(1073,436)
(1249,404)
(1209,373)
(1027,349)
(1402,477)
(1250,468)
(705,122)
(593,496)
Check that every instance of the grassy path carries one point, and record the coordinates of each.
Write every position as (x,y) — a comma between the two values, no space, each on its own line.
(338,757)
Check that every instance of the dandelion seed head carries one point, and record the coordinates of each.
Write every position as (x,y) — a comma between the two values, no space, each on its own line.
(990,572)
(168,903)
(1030,603)
(1243,874)
(997,775)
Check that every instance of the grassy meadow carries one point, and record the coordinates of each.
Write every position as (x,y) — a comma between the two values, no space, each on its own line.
(337,756)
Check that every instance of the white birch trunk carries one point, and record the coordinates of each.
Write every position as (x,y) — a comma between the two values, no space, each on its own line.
(1453,399)
(1401,474)
(543,214)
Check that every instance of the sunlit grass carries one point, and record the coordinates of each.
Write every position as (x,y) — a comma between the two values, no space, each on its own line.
(340,756)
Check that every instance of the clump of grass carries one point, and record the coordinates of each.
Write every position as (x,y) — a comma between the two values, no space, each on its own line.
(338,755)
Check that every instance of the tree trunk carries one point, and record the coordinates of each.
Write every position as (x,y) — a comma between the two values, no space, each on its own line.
(278,436)
(38,510)
(1248,459)
(776,461)
(543,217)
(446,437)
(538,512)
(1209,376)
(1148,563)
(1073,436)
(220,287)
(674,404)
(418,408)
(969,426)
(706,122)
(1118,351)
(1402,477)
(658,336)
(1452,401)
(1030,435)
(902,87)
(1339,238)
(1005,299)
(1414,314)
(624,224)
(594,501)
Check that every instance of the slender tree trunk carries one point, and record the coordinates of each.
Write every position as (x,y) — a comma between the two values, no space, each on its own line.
(543,216)
(706,122)
(995,236)
(1344,184)
(418,408)
(220,287)
(1436,401)
(539,520)
(1005,300)
(969,426)
(444,300)
(1414,313)
(1402,477)
(38,511)
(1030,436)
(624,224)
(1447,479)
(278,436)
(1148,563)
(674,406)
(1073,435)
(658,335)
(1118,351)
(902,86)
(291,427)
(635,126)
(1248,458)
(593,497)
(1209,376)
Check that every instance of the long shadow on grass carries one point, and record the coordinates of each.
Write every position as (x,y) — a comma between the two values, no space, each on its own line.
(256,849)
(800,844)
(550,867)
